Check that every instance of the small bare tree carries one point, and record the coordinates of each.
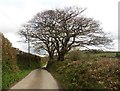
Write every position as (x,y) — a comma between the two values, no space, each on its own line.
(62,29)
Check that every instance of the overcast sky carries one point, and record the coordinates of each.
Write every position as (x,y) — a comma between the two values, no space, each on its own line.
(14,13)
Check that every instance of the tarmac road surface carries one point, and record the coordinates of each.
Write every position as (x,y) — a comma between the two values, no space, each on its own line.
(37,79)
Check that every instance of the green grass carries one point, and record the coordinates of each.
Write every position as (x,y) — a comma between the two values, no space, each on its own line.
(11,78)
(16,64)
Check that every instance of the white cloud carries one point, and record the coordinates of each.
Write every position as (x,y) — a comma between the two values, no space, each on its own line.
(13,13)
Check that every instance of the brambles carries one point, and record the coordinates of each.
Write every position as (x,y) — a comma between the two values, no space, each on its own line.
(103,73)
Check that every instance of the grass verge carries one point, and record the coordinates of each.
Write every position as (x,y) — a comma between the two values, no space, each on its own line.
(9,79)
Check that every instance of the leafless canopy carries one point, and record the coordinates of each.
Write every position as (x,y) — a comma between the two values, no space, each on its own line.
(62,29)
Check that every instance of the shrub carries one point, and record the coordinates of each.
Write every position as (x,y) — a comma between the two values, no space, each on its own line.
(117,55)
(102,74)
(74,55)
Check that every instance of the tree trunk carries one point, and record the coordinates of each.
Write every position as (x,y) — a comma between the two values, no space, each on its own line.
(61,57)
(51,56)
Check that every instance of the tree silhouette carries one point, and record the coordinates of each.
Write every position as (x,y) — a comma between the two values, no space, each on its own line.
(59,30)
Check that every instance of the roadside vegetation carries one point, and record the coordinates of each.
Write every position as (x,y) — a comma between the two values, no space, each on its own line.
(88,71)
(9,79)
(44,62)
(57,32)
(16,64)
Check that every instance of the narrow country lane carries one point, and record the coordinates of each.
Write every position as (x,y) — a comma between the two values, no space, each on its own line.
(37,79)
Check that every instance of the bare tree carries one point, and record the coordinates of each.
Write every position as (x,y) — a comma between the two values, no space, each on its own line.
(62,29)
(40,39)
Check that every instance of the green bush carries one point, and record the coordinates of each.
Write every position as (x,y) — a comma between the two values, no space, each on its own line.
(74,55)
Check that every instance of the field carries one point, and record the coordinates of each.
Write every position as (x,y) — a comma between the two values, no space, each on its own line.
(90,71)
